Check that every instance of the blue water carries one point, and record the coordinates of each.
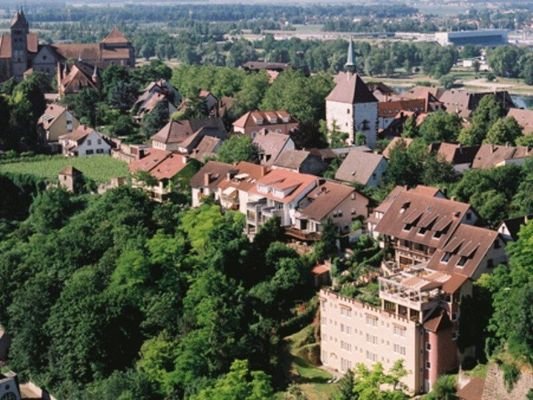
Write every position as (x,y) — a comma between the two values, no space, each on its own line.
(523,101)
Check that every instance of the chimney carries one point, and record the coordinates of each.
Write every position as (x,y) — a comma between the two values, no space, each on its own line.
(207,179)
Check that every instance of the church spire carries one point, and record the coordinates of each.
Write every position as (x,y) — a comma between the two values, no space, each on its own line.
(350,59)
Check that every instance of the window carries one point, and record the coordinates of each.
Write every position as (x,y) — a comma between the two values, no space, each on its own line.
(347,111)
(99,151)
(446,257)
(346,346)
(371,339)
(428,365)
(428,346)
(462,261)
(371,320)
(89,152)
(399,330)
(490,263)
(365,126)
(496,244)
(346,311)
(345,364)
(407,227)
(89,142)
(399,349)
(99,141)
(371,356)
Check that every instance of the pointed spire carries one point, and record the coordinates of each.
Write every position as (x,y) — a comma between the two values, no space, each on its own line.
(350,59)
(19,21)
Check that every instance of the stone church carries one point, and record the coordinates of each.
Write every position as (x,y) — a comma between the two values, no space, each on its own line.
(21,53)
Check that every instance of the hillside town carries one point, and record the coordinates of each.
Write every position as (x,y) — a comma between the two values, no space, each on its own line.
(261,231)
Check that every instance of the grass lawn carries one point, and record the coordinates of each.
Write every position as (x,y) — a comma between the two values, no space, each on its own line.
(97,168)
(312,380)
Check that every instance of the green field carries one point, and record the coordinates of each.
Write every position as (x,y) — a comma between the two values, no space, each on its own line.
(311,380)
(98,168)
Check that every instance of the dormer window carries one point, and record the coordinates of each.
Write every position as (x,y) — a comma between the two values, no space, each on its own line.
(407,227)
(446,257)
(462,261)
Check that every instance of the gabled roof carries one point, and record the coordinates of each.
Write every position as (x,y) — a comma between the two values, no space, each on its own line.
(89,52)
(52,112)
(513,225)
(524,119)
(358,166)
(271,143)
(210,175)
(175,132)
(464,102)
(325,199)
(395,142)
(79,134)
(455,153)
(473,390)
(159,163)
(291,159)
(245,176)
(206,148)
(115,37)
(280,180)
(467,246)
(262,118)
(350,89)
(389,109)
(32,45)
(421,218)
(438,321)
(490,155)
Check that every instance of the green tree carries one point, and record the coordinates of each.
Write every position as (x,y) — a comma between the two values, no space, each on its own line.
(512,289)
(368,383)
(51,209)
(443,389)
(238,384)
(504,131)
(504,61)
(237,148)
(440,126)
(488,111)
(155,120)
(410,129)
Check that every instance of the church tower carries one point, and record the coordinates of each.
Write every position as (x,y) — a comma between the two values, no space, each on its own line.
(19,45)
(351,107)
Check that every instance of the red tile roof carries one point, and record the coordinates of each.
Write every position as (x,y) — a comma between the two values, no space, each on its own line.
(422,213)
(473,390)
(395,142)
(324,199)
(359,166)
(5,44)
(251,119)
(115,37)
(350,89)
(524,119)
(489,155)
(389,109)
(293,183)
(469,245)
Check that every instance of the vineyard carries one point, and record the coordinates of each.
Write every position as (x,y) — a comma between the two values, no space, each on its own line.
(98,168)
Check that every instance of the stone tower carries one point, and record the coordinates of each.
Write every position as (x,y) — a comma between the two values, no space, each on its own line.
(351,107)
(19,45)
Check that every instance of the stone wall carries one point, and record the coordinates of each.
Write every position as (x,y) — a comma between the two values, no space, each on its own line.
(495,388)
